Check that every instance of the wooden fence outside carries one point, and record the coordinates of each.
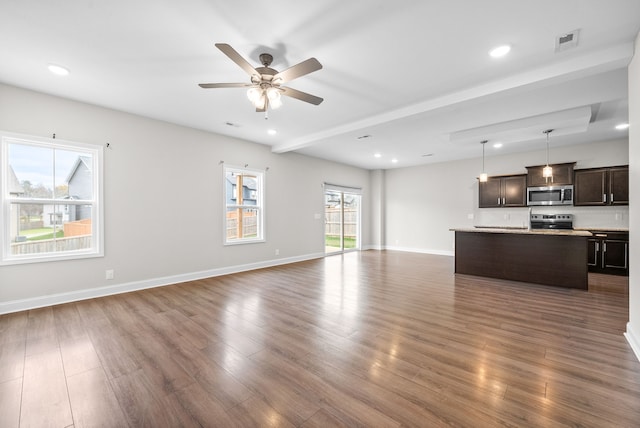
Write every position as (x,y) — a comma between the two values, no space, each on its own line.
(249,225)
(52,245)
(332,222)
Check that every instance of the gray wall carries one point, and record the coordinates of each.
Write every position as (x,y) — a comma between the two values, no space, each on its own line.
(163,198)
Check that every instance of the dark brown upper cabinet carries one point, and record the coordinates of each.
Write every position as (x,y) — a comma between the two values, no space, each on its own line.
(562,175)
(602,186)
(504,191)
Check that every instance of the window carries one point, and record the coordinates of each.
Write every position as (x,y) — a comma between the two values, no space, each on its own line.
(51,194)
(244,213)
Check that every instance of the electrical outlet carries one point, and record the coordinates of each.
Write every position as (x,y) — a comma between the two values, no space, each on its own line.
(277,252)
(470,216)
(108,274)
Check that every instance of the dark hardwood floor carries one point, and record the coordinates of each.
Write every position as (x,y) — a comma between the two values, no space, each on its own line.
(371,339)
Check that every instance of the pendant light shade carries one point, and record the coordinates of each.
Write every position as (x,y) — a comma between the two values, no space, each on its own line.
(483,175)
(547,171)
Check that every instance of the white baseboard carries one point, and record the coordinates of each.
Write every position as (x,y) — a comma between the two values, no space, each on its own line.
(420,250)
(74,296)
(634,340)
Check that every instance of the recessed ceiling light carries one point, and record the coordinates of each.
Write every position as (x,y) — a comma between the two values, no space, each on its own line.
(58,70)
(499,51)
(272,132)
(497,145)
(377,155)
(394,160)
(622,126)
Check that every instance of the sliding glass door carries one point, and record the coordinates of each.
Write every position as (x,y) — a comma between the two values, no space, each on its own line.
(342,220)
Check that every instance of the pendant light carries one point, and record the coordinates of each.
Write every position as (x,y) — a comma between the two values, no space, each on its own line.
(483,175)
(547,171)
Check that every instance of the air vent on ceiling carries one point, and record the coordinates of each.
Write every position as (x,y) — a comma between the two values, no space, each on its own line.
(567,41)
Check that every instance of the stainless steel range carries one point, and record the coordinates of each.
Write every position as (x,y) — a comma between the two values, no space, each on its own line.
(551,221)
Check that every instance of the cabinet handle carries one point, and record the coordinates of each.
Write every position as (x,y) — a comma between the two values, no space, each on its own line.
(604,198)
(498,200)
(611,199)
(504,200)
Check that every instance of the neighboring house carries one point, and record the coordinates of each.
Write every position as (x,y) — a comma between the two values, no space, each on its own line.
(248,192)
(15,189)
(51,218)
(80,182)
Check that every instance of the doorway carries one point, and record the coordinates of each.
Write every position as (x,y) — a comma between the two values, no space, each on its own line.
(342,220)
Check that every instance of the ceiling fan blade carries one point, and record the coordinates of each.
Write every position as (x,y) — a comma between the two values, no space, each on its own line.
(224,85)
(238,59)
(302,96)
(300,69)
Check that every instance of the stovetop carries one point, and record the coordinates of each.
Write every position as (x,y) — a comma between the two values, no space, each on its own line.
(552,221)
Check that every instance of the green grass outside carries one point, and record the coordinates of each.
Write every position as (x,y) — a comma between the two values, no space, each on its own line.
(59,234)
(334,241)
(41,234)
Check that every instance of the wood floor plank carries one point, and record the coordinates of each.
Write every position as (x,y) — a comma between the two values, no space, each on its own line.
(68,323)
(41,331)
(280,392)
(204,409)
(116,352)
(79,355)
(13,327)
(93,402)
(144,405)
(10,397)
(45,401)
(12,356)
(255,412)
(375,338)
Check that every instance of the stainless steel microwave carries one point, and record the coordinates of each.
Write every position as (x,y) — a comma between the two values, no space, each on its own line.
(550,195)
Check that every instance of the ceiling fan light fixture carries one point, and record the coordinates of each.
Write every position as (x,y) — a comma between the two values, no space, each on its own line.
(265,90)
(261,101)
(254,94)
(275,99)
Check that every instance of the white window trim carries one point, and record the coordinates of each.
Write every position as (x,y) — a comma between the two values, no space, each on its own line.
(259,204)
(97,225)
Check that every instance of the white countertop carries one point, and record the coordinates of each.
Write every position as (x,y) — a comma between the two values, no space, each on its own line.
(603,229)
(523,231)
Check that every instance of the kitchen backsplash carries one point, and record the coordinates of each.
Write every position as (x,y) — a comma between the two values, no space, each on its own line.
(583,217)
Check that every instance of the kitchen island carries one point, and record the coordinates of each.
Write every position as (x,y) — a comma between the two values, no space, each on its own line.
(548,257)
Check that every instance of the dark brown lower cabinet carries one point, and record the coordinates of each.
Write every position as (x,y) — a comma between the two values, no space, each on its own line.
(529,257)
(608,252)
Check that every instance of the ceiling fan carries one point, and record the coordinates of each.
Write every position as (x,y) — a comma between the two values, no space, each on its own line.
(265,88)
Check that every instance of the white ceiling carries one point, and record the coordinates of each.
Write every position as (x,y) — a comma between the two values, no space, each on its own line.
(414,76)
